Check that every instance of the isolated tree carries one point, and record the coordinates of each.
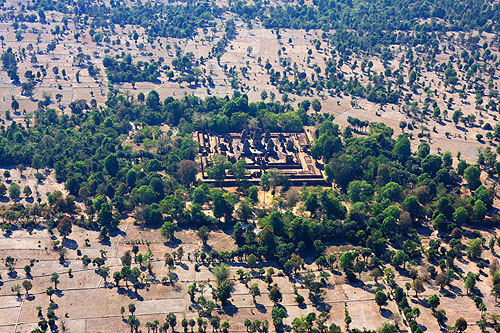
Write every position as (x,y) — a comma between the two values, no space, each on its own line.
(27,270)
(380,298)
(65,226)
(54,278)
(126,259)
(461,324)
(103,272)
(14,105)
(221,273)
(14,191)
(433,302)
(254,291)
(418,286)
(316,105)
(275,294)
(27,191)
(50,291)
(470,282)
(27,286)
(203,234)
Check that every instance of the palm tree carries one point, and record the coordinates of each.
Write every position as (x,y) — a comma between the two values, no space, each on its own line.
(134,323)
(50,292)
(55,279)
(221,273)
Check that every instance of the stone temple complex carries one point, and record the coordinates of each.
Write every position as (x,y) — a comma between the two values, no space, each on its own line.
(287,152)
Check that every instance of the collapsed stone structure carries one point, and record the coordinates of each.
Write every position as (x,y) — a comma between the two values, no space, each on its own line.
(287,152)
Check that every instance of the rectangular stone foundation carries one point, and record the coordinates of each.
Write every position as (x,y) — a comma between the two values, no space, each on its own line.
(286,151)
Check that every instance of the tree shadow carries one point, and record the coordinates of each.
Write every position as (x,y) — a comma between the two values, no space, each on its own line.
(448,294)
(69,243)
(386,313)
(230,309)
(183,266)
(117,232)
(173,243)
(130,293)
(455,290)
(261,308)
(321,306)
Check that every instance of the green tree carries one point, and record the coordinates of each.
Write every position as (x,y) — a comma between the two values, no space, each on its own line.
(475,249)
(380,298)
(252,261)
(423,150)
(360,191)
(133,322)
(254,291)
(167,230)
(316,105)
(203,234)
(433,302)
(470,282)
(275,294)
(472,174)
(103,272)
(218,167)
(111,164)
(14,191)
(402,148)
(347,260)
(431,164)
(461,215)
(400,258)
(27,286)
(54,278)
(239,169)
(50,291)
(479,211)
(221,273)
(3,190)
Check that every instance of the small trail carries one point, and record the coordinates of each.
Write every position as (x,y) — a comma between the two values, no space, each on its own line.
(19,314)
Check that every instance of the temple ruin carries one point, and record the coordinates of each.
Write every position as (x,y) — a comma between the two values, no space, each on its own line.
(287,152)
